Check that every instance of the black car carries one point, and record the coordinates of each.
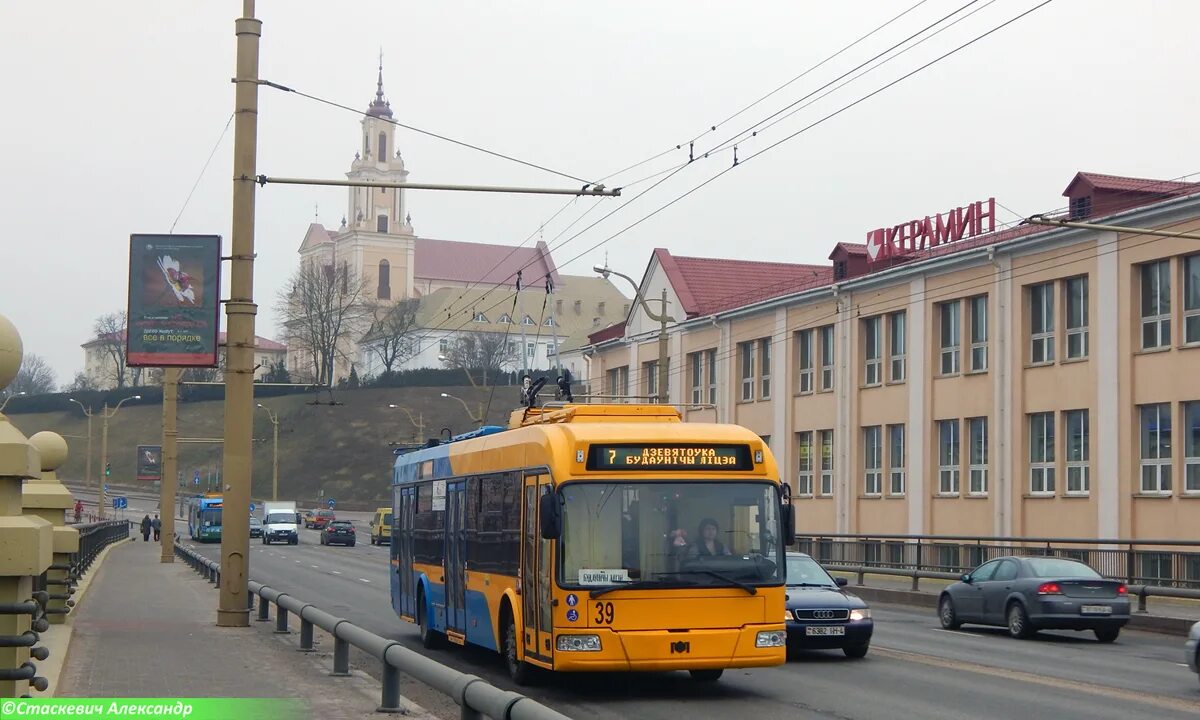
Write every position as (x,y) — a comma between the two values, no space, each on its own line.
(338,532)
(820,614)
(1027,594)
(256,529)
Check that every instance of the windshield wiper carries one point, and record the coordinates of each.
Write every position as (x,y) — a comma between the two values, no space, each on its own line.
(824,585)
(723,578)
(626,586)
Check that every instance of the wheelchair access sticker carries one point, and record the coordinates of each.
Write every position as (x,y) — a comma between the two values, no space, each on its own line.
(572,615)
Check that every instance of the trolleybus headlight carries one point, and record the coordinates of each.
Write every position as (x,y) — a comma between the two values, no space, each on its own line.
(579,643)
(771,638)
(858,615)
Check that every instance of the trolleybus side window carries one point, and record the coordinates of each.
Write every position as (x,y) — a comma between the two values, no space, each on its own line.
(428,528)
(494,522)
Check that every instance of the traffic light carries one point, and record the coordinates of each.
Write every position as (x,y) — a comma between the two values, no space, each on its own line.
(107,469)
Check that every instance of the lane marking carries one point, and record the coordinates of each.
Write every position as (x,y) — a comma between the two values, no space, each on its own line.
(973,636)
(314,567)
(1022,676)
(364,580)
(337,572)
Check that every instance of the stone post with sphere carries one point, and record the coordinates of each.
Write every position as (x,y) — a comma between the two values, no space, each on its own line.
(50,500)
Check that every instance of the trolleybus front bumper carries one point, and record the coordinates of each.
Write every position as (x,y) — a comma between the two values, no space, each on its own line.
(652,650)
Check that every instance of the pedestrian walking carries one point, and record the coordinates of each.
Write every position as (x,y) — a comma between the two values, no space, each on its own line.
(78,509)
(146,528)
(156,524)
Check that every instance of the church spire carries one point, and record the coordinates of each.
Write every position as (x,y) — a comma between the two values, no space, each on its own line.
(380,107)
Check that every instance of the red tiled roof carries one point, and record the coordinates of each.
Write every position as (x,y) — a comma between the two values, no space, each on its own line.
(611,332)
(1120,183)
(710,285)
(482,263)
(852,248)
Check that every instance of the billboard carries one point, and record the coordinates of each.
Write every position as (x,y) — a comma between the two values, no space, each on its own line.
(174,300)
(149,462)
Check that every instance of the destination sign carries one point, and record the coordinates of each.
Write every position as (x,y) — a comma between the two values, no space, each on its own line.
(670,457)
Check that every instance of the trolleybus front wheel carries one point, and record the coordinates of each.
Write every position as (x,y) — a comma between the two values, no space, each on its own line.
(520,671)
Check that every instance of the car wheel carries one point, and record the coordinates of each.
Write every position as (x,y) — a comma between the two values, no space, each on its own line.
(1018,621)
(430,638)
(296,541)
(519,671)
(265,541)
(857,651)
(706,676)
(351,543)
(1107,635)
(947,614)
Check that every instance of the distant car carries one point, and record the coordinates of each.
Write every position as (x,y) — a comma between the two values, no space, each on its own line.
(319,519)
(820,614)
(309,516)
(1028,594)
(256,528)
(1192,648)
(338,532)
(381,526)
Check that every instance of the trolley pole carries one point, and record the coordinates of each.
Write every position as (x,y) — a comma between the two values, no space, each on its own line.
(239,350)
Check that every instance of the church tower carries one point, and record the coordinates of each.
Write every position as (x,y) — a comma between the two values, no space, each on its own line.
(378,210)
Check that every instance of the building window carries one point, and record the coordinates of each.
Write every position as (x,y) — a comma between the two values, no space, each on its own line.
(384,291)
(1041,453)
(873,460)
(530,349)
(1156,304)
(804,451)
(899,344)
(1076,290)
(381,223)
(550,348)
(826,462)
(1191,447)
(764,368)
(383,146)
(872,350)
(746,359)
(443,346)
(978,456)
(696,365)
(527,321)
(650,378)
(504,319)
(480,318)
(804,351)
(827,357)
(1191,299)
(550,322)
(948,457)
(1156,448)
(1078,441)
(896,459)
(710,359)
(1041,323)
(1081,207)
(950,337)
(618,381)
(979,333)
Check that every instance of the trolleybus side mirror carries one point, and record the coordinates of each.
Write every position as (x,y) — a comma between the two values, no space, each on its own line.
(550,514)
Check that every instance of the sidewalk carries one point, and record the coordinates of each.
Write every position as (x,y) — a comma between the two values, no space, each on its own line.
(1164,614)
(147,629)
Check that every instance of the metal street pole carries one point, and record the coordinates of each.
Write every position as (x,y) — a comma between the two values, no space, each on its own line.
(103,462)
(170,462)
(474,418)
(87,473)
(661,317)
(239,350)
(418,421)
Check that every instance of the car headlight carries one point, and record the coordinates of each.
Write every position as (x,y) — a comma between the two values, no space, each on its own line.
(771,638)
(860,614)
(579,643)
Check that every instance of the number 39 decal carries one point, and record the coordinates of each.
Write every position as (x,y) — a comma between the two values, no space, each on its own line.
(604,613)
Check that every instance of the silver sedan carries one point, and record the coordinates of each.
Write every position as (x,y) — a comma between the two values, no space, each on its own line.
(1192,648)
(1027,594)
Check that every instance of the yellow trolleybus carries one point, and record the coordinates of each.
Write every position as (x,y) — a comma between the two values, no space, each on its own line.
(596,537)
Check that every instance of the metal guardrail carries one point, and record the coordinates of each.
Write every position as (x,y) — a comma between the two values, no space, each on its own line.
(946,557)
(475,696)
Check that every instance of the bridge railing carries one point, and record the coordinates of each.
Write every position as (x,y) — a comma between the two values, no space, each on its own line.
(1163,568)
(476,697)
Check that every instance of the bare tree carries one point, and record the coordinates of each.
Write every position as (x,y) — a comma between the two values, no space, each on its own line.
(323,311)
(80,383)
(34,378)
(110,340)
(390,337)
(486,352)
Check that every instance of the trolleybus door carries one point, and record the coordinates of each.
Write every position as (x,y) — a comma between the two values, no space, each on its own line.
(402,544)
(456,611)
(536,562)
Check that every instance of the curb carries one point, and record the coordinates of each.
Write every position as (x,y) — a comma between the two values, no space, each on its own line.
(1140,621)
(58,638)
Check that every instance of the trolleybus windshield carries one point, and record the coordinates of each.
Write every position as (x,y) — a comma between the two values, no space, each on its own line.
(664,534)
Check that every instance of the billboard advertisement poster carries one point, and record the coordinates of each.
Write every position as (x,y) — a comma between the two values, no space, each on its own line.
(149,462)
(174,300)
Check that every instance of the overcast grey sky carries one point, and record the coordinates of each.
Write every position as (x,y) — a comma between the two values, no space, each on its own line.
(111,109)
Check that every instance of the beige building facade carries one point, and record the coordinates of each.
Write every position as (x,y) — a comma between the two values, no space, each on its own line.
(1034,381)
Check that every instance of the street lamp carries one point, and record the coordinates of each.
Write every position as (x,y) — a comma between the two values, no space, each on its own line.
(418,422)
(105,415)
(10,397)
(274,453)
(87,472)
(473,416)
(662,318)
